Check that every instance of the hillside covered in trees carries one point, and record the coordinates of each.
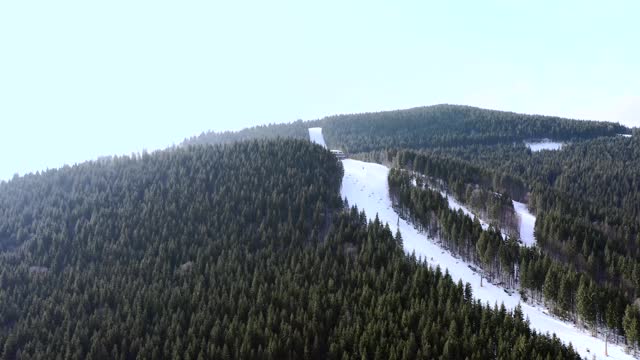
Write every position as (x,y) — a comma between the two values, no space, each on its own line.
(586,198)
(426,127)
(235,251)
(295,130)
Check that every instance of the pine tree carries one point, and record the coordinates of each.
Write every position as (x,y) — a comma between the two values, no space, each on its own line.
(550,287)
(630,326)
(564,294)
(585,304)
(398,238)
(468,292)
(481,247)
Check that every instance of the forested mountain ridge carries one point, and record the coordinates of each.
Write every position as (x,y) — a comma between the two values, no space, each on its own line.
(427,127)
(237,251)
(296,130)
(453,125)
(92,243)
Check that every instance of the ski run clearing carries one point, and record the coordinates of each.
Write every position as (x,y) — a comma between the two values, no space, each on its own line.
(545,144)
(315,134)
(527,223)
(365,185)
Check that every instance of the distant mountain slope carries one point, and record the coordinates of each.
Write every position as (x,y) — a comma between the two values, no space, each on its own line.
(453,125)
(427,127)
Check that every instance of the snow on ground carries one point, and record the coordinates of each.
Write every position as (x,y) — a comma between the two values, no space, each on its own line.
(365,185)
(315,134)
(527,223)
(546,144)
(625,135)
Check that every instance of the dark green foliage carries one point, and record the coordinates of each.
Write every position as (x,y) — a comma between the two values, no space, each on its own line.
(426,127)
(458,173)
(586,197)
(297,130)
(585,302)
(239,251)
(452,125)
(631,325)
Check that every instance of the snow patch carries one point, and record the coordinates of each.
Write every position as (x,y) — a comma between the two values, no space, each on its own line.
(545,144)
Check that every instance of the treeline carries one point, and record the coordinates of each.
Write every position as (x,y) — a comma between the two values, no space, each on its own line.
(297,130)
(566,291)
(239,251)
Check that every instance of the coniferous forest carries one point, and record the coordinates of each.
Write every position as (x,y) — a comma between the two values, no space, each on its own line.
(234,251)
(238,245)
(587,227)
(585,266)
(425,127)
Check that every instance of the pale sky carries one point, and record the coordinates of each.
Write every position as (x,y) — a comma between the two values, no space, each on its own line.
(81,79)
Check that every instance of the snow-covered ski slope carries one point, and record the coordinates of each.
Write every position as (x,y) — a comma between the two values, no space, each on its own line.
(527,223)
(365,185)
(315,134)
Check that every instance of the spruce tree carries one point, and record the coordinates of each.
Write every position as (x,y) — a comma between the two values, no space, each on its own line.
(630,326)
(585,305)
